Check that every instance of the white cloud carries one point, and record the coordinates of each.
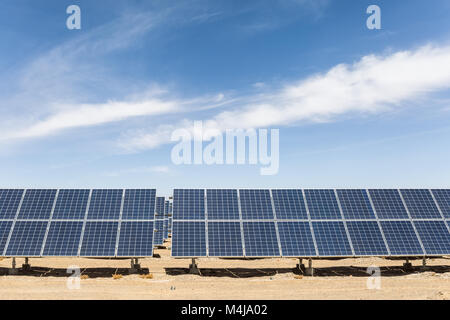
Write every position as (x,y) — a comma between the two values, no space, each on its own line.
(370,85)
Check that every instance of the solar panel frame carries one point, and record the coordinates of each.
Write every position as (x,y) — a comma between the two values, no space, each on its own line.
(97,243)
(289,204)
(71,204)
(222,204)
(189,204)
(322,204)
(27,238)
(355,204)
(296,239)
(367,238)
(420,204)
(139,204)
(189,239)
(435,237)
(9,203)
(327,234)
(225,239)
(256,204)
(105,204)
(5,230)
(442,198)
(135,239)
(402,238)
(158,236)
(37,204)
(254,232)
(60,242)
(388,204)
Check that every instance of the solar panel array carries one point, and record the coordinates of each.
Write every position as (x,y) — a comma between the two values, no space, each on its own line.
(88,223)
(310,223)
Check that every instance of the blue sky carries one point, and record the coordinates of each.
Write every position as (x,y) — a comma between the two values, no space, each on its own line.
(96,107)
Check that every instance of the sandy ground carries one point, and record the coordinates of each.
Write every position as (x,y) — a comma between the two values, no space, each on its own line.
(226,279)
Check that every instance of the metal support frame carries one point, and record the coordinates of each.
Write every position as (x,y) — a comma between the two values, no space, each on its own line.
(300,266)
(26,266)
(13,270)
(135,266)
(193,268)
(310,270)
(407,265)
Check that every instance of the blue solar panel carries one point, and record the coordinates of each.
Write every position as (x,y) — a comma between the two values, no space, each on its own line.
(105,204)
(9,203)
(442,197)
(139,204)
(322,204)
(63,238)
(260,239)
(355,204)
(160,205)
(37,204)
(5,228)
(189,239)
(166,228)
(331,239)
(222,204)
(420,204)
(136,239)
(27,238)
(296,239)
(366,238)
(401,238)
(388,204)
(225,239)
(435,237)
(99,239)
(189,204)
(71,204)
(256,204)
(289,204)
(158,236)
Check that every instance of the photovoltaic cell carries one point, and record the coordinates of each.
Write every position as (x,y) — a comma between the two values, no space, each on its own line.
(166,228)
(420,204)
(225,239)
(27,238)
(355,204)
(322,204)
(260,239)
(63,238)
(71,204)
(136,239)
(296,239)
(9,203)
(99,239)
(37,204)
(160,206)
(189,239)
(401,238)
(158,236)
(289,204)
(139,204)
(435,237)
(366,238)
(442,197)
(256,204)
(388,204)
(331,239)
(5,228)
(222,204)
(105,204)
(189,204)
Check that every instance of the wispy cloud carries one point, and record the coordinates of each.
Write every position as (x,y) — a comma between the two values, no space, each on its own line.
(373,84)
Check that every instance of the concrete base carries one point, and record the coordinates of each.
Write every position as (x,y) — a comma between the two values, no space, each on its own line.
(13,271)
(309,272)
(135,268)
(26,267)
(193,269)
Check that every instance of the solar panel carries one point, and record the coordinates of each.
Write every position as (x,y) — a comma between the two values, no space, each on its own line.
(322,204)
(99,239)
(355,204)
(420,204)
(139,204)
(256,204)
(222,204)
(188,204)
(401,238)
(37,204)
(224,239)
(296,239)
(9,203)
(442,197)
(260,239)
(166,228)
(289,204)
(63,238)
(160,203)
(136,239)
(5,228)
(27,238)
(435,237)
(71,204)
(388,204)
(189,239)
(158,236)
(105,204)
(366,238)
(331,239)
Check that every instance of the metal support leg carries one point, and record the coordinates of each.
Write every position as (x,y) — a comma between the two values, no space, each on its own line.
(135,266)
(407,265)
(310,270)
(424,262)
(193,268)
(13,270)
(26,266)
(300,266)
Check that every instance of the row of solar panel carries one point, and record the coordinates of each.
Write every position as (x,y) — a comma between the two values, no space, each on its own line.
(310,239)
(162,221)
(77,204)
(73,238)
(315,204)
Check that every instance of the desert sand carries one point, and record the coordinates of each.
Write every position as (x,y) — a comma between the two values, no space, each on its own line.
(226,279)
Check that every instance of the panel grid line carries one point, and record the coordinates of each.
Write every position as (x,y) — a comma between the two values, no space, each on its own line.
(241,222)
(49,222)
(120,223)
(276,223)
(310,223)
(84,222)
(206,222)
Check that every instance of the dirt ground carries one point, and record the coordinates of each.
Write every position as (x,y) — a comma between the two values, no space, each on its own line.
(225,279)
